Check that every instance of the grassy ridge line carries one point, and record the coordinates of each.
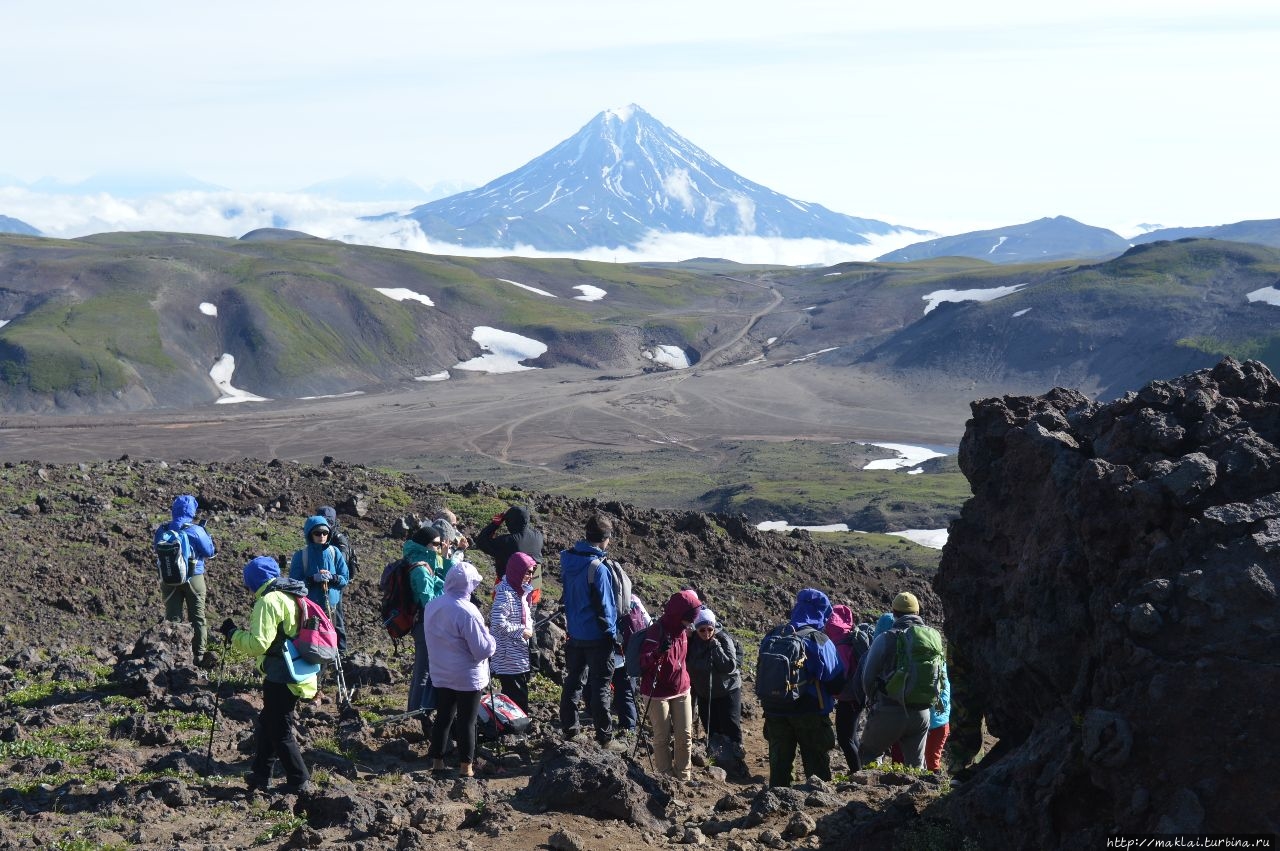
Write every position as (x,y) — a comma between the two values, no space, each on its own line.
(294,306)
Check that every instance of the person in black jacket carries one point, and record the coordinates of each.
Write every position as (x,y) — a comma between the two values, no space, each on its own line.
(715,673)
(520,537)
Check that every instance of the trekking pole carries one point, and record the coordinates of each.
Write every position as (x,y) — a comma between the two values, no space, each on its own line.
(344,697)
(402,716)
(636,747)
(546,620)
(217,687)
(707,727)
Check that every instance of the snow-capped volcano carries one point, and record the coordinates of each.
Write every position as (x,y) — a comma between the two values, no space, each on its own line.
(621,176)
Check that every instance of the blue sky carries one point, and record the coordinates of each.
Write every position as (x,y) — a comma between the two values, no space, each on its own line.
(934,115)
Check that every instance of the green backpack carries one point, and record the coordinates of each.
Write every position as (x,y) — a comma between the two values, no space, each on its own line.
(916,680)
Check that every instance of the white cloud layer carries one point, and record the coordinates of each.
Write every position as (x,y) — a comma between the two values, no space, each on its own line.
(233,214)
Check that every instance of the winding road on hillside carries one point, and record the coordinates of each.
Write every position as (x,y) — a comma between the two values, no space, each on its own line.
(527,419)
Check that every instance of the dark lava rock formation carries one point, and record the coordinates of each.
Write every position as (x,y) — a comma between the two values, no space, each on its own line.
(1110,597)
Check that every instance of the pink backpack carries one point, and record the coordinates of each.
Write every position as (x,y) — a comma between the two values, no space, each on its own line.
(317,640)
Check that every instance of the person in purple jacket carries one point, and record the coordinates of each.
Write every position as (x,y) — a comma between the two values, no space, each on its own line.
(459,646)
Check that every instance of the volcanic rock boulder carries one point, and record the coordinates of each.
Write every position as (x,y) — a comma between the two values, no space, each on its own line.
(1110,597)
(590,781)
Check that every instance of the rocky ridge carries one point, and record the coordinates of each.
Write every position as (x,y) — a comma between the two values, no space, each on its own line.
(1111,607)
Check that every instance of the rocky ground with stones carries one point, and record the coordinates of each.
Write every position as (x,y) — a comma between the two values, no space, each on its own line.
(107,737)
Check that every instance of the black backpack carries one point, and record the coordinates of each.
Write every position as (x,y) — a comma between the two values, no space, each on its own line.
(399,610)
(780,668)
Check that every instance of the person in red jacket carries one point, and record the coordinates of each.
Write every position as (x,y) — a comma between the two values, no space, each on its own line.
(664,681)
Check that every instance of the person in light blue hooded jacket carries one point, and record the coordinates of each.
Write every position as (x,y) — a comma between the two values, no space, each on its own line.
(191,593)
(808,724)
(459,646)
(321,566)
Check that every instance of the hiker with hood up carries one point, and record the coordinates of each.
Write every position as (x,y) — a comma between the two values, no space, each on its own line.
(426,581)
(511,624)
(460,647)
(889,721)
(191,593)
(807,724)
(664,682)
(520,537)
(715,673)
(275,616)
(320,565)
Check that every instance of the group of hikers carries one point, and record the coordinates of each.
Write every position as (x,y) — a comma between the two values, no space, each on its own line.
(622,666)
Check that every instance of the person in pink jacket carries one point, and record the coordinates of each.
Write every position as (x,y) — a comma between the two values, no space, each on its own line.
(664,681)
(459,646)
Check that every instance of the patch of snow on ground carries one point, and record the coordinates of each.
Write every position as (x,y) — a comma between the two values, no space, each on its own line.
(934,539)
(503,351)
(672,356)
(916,472)
(3,322)
(221,374)
(333,395)
(812,307)
(771,341)
(403,294)
(784,526)
(908,456)
(999,243)
(937,297)
(812,355)
(832,274)
(208,309)
(435,376)
(1266,295)
(529,288)
(589,293)
(1022,312)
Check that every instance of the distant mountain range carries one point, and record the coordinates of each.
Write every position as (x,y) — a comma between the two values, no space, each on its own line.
(127,321)
(8,225)
(1063,238)
(620,178)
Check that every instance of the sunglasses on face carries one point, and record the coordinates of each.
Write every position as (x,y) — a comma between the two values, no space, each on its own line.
(320,533)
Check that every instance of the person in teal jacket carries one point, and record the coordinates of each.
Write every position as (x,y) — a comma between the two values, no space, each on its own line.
(321,565)
(275,616)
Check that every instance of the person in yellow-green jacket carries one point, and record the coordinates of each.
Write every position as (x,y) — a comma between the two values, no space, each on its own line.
(274,618)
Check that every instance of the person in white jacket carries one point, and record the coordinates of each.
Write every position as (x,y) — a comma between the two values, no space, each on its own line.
(511,623)
(459,646)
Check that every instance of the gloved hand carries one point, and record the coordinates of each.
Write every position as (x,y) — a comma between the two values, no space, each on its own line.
(665,646)
(322,576)
(228,628)
(498,518)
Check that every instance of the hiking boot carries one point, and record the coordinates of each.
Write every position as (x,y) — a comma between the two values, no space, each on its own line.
(615,746)
(208,661)
(465,770)
(254,784)
(303,788)
(438,766)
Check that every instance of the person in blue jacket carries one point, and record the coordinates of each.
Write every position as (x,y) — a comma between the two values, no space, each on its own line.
(808,724)
(190,594)
(591,617)
(321,566)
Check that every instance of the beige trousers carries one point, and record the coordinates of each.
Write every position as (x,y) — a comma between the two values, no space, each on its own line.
(672,722)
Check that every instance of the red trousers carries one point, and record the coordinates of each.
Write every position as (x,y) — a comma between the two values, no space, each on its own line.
(933,745)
